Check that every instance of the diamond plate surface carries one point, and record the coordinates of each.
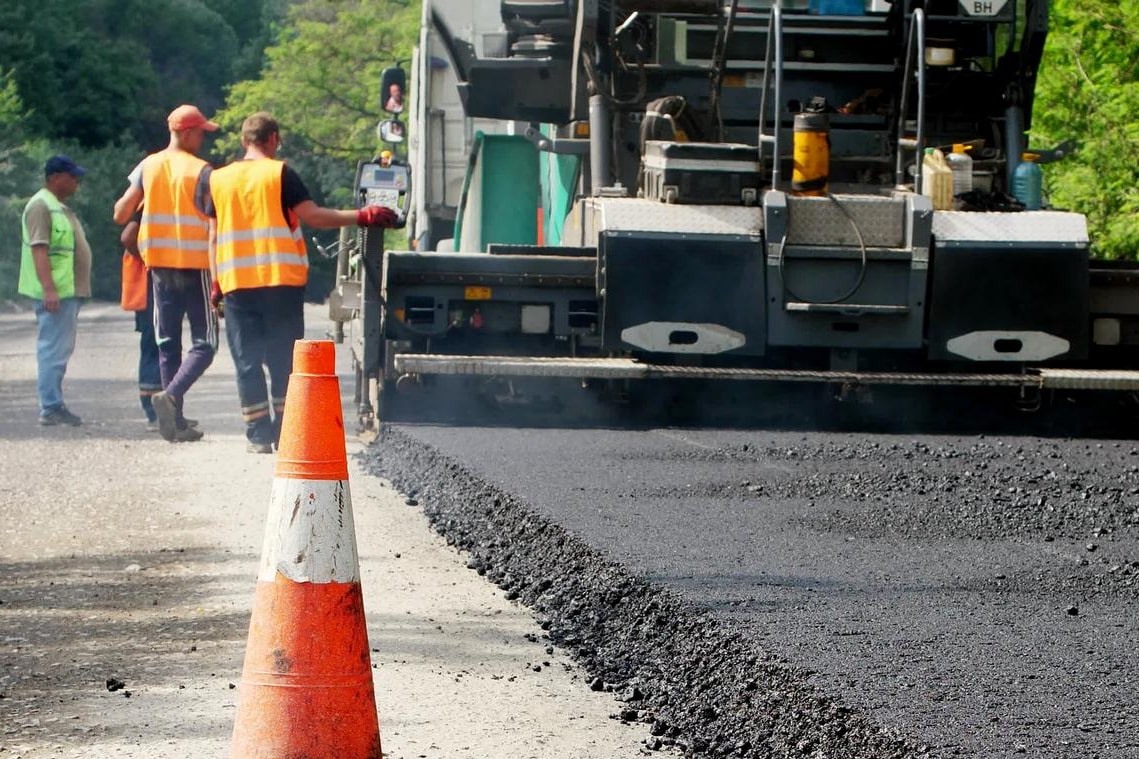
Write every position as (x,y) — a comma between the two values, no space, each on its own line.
(820,221)
(1053,227)
(639,215)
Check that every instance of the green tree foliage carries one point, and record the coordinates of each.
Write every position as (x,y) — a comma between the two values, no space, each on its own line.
(1089,90)
(322,77)
(11,128)
(102,71)
(95,79)
(321,80)
(255,24)
(11,113)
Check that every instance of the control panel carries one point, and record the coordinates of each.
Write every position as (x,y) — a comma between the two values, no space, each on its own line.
(385,184)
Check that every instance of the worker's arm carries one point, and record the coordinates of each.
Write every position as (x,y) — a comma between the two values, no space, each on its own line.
(318,217)
(127,204)
(214,249)
(326,218)
(296,197)
(129,237)
(215,287)
(43,271)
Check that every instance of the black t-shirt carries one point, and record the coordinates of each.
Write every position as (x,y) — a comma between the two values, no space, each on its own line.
(293,192)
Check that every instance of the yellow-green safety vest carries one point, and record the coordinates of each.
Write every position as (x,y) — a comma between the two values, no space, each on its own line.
(61,251)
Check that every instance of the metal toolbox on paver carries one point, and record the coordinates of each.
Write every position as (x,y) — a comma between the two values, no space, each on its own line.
(700,172)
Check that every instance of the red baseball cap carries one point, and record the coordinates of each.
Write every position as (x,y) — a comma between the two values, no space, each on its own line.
(188,117)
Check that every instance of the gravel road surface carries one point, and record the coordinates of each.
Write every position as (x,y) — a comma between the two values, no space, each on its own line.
(125,557)
(815,594)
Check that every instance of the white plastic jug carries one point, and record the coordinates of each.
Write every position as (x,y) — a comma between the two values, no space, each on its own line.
(961,164)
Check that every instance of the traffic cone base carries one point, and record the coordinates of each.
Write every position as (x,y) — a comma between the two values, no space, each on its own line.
(306,688)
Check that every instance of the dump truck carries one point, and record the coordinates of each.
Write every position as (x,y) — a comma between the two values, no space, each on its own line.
(735,190)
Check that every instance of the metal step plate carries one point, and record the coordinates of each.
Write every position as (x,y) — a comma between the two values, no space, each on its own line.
(639,215)
(1050,228)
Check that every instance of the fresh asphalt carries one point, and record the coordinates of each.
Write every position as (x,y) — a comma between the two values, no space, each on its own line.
(963,595)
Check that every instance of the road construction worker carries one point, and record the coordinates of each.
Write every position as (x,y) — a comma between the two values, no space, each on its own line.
(55,271)
(173,239)
(260,264)
(138,296)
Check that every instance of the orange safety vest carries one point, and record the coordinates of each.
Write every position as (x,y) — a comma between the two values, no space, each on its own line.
(133,296)
(174,233)
(257,246)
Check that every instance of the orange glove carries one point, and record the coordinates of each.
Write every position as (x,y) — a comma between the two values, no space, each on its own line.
(376,216)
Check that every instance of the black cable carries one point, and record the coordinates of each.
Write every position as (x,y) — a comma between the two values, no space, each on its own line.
(792,295)
(642,83)
(719,62)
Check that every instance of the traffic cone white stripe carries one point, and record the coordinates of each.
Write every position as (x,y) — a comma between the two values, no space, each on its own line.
(309,534)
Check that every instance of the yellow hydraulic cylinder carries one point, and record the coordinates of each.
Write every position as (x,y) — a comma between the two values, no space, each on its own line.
(810,171)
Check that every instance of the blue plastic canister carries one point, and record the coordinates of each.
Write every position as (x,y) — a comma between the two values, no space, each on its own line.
(837,7)
(1028,182)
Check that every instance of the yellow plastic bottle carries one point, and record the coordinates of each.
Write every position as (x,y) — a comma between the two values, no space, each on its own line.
(811,166)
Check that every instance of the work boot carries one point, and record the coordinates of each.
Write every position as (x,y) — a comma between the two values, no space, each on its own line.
(253,447)
(60,416)
(187,435)
(167,412)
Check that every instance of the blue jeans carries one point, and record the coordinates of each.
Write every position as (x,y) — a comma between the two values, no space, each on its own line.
(55,342)
(149,376)
(261,324)
(178,294)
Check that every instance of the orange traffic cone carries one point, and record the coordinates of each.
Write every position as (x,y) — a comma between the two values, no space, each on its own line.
(306,689)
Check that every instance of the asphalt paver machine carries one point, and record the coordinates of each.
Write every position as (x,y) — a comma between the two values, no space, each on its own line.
(734,190)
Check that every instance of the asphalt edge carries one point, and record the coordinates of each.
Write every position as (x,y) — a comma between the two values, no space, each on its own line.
(705,688)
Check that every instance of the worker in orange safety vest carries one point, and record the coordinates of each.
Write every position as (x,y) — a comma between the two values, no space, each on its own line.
(173,240)
(137,295)
(260,264)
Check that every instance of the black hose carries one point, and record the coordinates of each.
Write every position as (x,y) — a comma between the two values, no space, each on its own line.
(719,61)
(792,295)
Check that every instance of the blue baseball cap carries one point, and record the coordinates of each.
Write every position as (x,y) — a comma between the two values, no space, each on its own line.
(59,164)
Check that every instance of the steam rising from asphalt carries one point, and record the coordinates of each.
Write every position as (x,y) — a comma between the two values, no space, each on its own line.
(563,403)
